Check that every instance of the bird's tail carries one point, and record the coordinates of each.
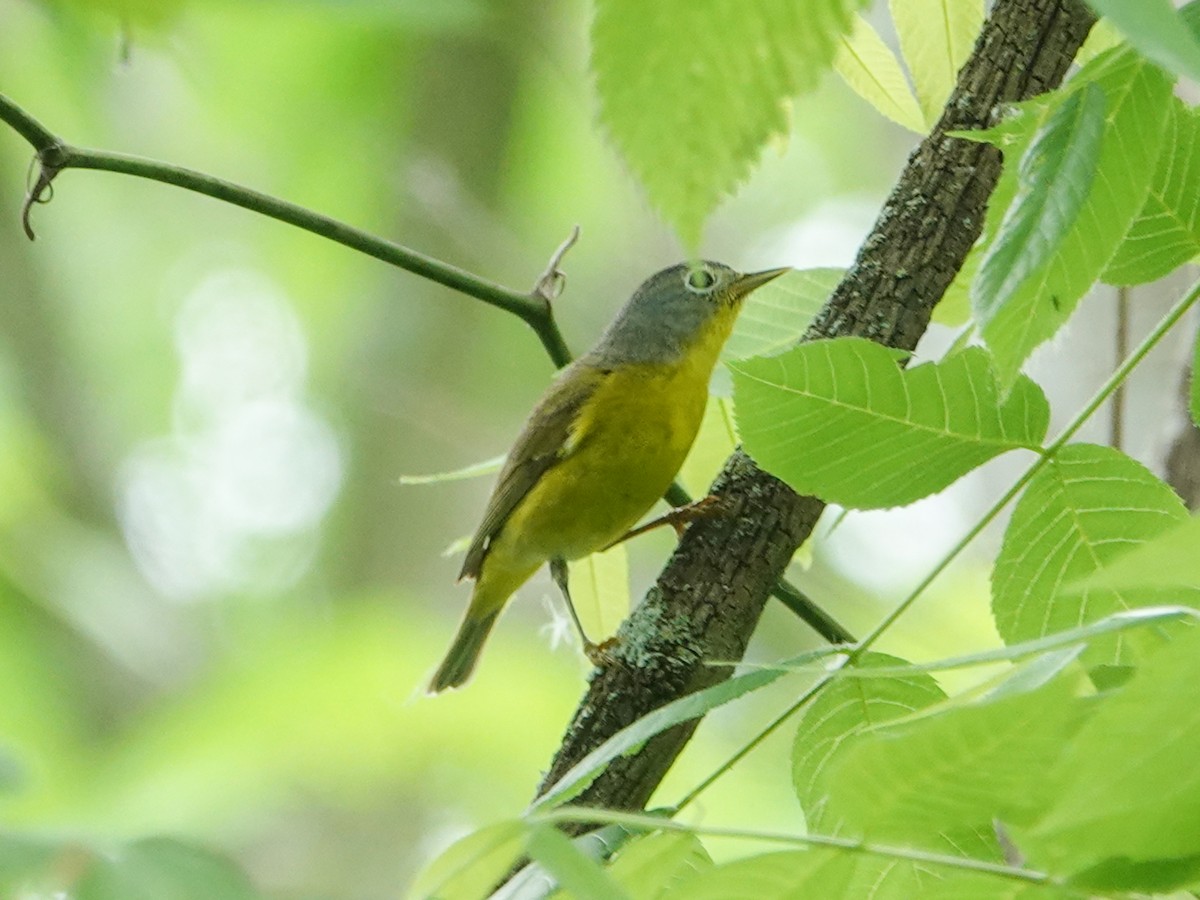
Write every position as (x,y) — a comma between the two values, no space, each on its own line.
(464,651)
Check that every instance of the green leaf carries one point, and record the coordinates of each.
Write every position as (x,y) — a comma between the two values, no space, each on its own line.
(836,720)
(981,886)
(871,70)
(954,309)
(1101,38)
(936,37)
(1106,676)
(650,865)
(840,420)
(580,875)
(1166,233)
(1157,31)
(1087,507)
(1054,177)
(691,92)
(1015,130)
(1156,875)
(686,708)
(1168,562)
(1012,135)
(164,869)
(773,876)
(475,470)
(1127,785)
(1138,96)
(955,766)
(834,873)
(599,586)
(471,867)
(777,315)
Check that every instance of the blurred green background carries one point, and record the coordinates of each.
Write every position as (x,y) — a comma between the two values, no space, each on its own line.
(217,604)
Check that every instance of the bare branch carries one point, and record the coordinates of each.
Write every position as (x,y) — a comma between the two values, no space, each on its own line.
(54,156)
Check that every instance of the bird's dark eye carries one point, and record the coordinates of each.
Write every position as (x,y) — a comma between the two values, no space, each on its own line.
(700,278)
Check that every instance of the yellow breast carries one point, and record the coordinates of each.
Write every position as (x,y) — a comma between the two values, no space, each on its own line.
(626,446)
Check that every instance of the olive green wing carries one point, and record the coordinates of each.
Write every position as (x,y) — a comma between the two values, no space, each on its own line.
(541,444)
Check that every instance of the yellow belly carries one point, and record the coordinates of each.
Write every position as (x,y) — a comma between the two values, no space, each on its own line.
(632,438)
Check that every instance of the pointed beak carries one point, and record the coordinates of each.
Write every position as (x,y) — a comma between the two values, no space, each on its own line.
(747,283)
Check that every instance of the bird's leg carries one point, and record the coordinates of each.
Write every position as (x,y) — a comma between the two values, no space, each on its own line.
(678,518)
(597,654)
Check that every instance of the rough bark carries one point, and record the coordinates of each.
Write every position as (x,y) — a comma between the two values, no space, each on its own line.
(710,595)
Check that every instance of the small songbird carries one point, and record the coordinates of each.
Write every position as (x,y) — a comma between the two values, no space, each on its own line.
(603,443)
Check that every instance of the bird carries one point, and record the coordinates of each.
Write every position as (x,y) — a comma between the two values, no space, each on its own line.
(601,446)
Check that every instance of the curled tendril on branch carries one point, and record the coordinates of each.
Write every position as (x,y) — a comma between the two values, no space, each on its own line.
(39,189)
(551,282)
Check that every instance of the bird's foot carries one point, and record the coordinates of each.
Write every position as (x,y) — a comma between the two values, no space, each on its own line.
(708,507)
(680,517)
(601,655)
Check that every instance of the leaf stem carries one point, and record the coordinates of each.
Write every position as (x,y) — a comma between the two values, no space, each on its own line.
(649,823)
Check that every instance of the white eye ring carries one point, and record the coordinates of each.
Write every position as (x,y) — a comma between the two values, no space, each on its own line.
(699,280)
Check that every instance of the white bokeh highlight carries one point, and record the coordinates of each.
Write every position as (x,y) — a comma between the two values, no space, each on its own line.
(231,500)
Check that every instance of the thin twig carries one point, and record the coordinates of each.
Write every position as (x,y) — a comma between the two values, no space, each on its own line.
(54,156)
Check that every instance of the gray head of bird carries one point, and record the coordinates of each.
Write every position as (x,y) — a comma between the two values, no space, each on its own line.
(672,309)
